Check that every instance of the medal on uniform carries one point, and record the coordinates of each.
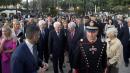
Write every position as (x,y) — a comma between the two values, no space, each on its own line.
(93,50)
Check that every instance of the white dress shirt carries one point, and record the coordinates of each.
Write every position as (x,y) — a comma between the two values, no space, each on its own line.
(29,45)
(13,34)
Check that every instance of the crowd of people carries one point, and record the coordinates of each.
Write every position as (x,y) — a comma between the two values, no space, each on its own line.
(93,44)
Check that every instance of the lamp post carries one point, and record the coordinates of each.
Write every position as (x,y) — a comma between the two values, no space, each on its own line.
(84,7)
(129,11)
(27,6)
(95,8)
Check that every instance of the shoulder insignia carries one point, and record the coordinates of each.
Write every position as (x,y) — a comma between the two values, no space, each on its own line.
(81,40)
(81,43)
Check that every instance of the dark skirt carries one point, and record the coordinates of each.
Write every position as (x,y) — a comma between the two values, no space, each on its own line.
(113,69)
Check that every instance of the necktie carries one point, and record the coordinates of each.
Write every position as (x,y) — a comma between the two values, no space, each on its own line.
(72,34)
(121,25)
(35,52)
(58,34)
(43,33)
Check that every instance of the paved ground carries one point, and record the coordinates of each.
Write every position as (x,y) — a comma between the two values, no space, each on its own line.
(124,69)
(51,69)
(66,67)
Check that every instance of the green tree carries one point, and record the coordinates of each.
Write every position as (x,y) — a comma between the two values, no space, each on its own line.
(9,2)
(118,5)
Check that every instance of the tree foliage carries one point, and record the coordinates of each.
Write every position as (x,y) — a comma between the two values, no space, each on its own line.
(118,5)
(84,5)
(9,2)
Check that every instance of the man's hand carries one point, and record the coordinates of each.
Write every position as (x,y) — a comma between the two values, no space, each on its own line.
(45,66)
(108,64)
(73,71)
(41,70)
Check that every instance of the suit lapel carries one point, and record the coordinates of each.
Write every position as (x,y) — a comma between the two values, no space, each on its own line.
(58,36)
(30,55)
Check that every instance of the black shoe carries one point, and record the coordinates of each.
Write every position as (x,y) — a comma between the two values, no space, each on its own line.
(126,64)
(61,71)
(70,71)
(47,69)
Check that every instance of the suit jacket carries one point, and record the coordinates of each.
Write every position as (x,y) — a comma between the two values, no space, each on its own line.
(80,28)
(123,34)
(101,27)
(56,43)
(72,42)
(90,58)
(65,31)
(22,60)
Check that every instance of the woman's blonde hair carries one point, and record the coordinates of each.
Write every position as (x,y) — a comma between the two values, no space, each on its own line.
(6,27)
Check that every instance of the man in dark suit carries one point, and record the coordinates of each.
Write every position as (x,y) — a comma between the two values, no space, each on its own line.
(123,35)
(56,46)
(128,45)
(72,38)
(43,41)
(24,59)
(49,22)
(80,26)
(0,54)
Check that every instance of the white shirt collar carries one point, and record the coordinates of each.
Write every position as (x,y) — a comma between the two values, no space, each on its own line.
(30,46)
(129,30)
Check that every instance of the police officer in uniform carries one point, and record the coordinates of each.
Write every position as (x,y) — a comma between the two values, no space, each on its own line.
(90,55)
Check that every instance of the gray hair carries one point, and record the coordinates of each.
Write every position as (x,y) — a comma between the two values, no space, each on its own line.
(56,24)
(128,19)
(71,25)
(112,30)
(41,22)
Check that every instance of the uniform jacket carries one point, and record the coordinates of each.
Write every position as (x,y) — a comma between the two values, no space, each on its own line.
(90,58)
